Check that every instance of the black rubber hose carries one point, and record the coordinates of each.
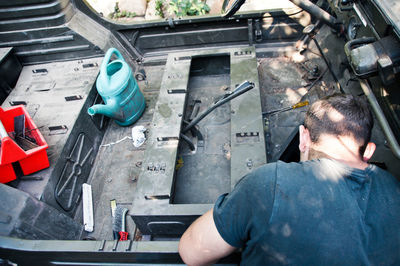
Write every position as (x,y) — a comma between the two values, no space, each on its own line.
(328,65)
(242,88)
(195,131)
(188,141)
(319,13)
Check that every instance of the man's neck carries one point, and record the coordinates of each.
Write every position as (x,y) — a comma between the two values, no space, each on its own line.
(340,150)
(359,164)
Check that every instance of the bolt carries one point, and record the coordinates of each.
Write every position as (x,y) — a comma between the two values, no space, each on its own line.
(249,163)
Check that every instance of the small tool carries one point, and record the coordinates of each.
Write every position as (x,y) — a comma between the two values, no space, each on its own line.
(87,207)
(295,106)
(19,126)
(25,143)
(20,136)
(113,205)
(3,131)
(119,225)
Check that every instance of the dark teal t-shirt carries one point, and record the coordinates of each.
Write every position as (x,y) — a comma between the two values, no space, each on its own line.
(318,212)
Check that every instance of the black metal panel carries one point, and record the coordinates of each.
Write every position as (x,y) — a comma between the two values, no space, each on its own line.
(195,36)
(76,160)
(100,121)
(281,28)
(207,34)
(158,225)
(157,209)
(34,252)
(58,53)
(378,21)
(389,100)
(76,172)
(10,68)
(23,2)
(25,217)
(19,38)
(34,22)
(39,34)
(15,12)
(163,36)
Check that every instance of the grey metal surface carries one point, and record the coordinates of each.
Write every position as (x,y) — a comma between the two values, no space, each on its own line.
(387,131)
(203,179)
(152,202)
(4,51)
(205,173)
(286,80)
(29,252)
(391,9)
(25,217)
(247,132)
(37,30)
(55,96)
(162,144)
(89,252)
(10,68)
(117,166)
(281,85)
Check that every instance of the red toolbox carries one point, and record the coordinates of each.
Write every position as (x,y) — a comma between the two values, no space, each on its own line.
(31,159)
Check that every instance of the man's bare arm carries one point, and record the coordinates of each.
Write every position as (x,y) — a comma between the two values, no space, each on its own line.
(202,244)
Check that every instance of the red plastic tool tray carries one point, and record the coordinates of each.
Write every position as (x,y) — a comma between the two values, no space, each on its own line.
(30,160)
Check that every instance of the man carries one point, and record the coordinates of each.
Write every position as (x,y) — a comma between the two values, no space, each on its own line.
(332,208)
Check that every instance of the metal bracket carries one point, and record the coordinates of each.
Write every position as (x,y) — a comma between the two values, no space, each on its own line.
(171,23)
(258,30)
(250,31)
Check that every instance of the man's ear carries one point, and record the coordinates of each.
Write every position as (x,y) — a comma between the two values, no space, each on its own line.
(305,142)
(369,151)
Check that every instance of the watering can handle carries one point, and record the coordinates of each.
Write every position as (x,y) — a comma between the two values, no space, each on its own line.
(107,59)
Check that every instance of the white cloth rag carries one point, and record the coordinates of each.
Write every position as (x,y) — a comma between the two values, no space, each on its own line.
(138,137)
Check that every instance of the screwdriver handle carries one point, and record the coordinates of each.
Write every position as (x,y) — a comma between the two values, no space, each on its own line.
(300,104)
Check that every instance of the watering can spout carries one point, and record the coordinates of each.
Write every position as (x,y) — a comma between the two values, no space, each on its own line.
(108,109)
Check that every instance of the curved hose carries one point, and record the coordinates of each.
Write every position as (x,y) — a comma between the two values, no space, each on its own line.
(319,13)
(242,88)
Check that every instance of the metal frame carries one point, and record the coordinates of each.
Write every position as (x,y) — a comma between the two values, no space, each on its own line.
(153,211)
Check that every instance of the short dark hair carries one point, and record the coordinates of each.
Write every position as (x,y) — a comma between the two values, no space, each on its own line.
(353,118)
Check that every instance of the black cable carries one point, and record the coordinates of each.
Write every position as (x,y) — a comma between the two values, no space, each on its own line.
(313,84)
(195,132)
(319,13)
(188,141)
(328,64)
(242,88)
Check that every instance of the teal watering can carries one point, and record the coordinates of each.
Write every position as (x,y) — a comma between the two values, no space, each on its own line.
(123,99)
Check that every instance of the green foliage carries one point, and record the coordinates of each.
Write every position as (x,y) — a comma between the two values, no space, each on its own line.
(121,14)
(188,7)
(159,8)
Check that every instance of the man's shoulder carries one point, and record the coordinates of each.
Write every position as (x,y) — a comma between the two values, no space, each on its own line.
(377,171)
(274,166)
(281,168)
(382,177)
(268,174)
(308,172)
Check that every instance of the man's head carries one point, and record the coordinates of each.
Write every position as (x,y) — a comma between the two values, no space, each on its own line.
(341,117)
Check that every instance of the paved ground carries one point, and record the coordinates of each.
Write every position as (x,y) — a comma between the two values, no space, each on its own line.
(146,9)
